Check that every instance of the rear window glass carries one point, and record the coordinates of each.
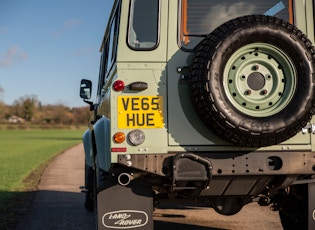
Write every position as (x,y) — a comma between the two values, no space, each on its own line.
(143,24)
(200,17)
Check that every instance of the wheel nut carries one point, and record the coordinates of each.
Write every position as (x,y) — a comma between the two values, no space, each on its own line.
(255,67)
(264,92)
(248,92)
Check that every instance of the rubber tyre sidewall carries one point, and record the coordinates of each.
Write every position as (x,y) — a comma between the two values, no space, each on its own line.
(242,128)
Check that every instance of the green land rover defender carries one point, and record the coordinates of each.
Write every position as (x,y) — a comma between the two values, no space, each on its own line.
(204,102)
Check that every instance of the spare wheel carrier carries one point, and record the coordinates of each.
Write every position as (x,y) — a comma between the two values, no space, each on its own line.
(252,81)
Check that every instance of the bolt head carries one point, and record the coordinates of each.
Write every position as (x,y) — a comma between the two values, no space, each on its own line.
(248,92)
(264,92)
(255,67)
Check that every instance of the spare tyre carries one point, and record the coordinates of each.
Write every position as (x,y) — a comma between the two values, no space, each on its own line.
(252,81)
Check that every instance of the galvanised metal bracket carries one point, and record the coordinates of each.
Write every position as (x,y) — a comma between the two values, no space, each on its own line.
(309,129)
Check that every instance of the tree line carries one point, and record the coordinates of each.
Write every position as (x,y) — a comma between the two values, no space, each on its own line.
(30,109)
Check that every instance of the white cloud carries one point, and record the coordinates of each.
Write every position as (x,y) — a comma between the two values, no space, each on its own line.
(13,55)
(83,51)
(67,25)
(224,12)
(71,23)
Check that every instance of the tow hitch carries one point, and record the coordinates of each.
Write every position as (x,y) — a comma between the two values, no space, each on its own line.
(191,172)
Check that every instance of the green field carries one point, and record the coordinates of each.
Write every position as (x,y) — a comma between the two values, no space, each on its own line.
(22,152)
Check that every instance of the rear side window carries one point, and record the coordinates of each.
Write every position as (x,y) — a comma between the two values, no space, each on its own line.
(143,24)
(200,17)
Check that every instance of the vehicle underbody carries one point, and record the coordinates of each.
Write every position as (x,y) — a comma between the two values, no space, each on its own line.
(209,178)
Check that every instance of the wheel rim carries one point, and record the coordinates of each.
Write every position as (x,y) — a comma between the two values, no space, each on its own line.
(259,80)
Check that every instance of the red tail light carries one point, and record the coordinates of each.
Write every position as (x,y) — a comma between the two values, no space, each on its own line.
(118,85)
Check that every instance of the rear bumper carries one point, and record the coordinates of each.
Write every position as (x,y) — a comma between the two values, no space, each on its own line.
(229,164)
(224,174)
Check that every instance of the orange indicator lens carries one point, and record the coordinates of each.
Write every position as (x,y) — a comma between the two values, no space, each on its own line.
(119,137)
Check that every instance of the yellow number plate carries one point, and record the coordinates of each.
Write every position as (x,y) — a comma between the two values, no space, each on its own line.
(140,112)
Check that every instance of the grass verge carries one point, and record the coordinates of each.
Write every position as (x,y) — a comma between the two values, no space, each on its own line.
(24,155)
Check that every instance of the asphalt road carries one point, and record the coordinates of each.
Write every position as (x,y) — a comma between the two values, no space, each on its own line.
(58,204)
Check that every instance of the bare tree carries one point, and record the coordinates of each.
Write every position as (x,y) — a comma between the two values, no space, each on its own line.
(1,93)
(26,107)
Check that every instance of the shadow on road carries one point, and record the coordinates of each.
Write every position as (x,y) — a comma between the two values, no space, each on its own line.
(13,207)
(58,210)
(65,210)
(173,220)
(163,225)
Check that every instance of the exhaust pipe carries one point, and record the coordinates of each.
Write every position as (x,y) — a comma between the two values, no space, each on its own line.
(125,178)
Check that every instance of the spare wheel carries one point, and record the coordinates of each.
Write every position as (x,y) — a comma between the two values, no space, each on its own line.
(252,81)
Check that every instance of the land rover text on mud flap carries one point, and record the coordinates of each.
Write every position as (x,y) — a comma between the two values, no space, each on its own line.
(206,102)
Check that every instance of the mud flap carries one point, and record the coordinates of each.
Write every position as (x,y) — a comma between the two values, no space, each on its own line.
(125,207)
(311,206)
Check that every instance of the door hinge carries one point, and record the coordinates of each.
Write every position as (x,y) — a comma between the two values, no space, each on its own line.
(310,128)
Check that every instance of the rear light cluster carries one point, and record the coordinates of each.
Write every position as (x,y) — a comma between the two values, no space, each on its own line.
(135,137)
(119,86)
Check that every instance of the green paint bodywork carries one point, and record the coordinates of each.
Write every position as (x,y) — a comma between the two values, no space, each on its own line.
(159,68)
